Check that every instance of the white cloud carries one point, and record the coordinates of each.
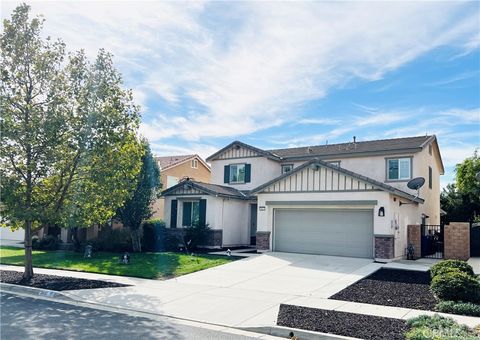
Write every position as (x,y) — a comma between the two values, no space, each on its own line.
(248,67)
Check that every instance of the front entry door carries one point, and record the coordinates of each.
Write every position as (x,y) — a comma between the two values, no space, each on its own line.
(253,224)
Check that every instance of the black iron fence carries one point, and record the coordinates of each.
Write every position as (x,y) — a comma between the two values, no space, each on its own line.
(432,238)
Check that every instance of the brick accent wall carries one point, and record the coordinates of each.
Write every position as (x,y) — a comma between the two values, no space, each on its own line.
(384,247)
(457,241)
(214,238)
(263,240)
(414,238)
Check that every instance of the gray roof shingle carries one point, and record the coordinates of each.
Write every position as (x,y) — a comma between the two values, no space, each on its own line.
(381,145)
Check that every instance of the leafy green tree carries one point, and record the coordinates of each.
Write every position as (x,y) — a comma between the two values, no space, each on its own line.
(138,207)
(461,200)
(69,152)
(467,178)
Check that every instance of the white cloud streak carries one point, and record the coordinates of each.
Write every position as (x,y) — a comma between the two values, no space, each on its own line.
(250,65)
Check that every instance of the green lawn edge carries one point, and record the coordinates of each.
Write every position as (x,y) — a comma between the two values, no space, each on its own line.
(162,265)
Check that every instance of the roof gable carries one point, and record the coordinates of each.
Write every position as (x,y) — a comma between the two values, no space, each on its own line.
(319,176)
(238,149)
(189,187)
(168,162)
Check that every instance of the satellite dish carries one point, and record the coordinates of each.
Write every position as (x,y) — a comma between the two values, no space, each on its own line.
(416,183)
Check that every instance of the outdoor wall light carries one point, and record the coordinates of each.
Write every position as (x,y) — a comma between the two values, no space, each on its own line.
(381,212)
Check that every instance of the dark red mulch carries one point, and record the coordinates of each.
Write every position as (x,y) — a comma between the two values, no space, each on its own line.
(392,287)
(341,323)
(54,282)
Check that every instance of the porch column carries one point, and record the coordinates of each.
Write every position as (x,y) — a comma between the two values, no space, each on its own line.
(457,241)
(414,238)
(263,240)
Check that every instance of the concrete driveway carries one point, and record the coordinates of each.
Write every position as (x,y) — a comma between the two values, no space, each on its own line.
(244,293)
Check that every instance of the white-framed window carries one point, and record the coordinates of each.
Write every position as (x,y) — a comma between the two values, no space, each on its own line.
(191,213)
(399,169)
(286,168)
(171,181)
(237,173)
(194,163)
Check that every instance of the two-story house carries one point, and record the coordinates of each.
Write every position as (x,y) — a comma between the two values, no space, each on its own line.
(348,199)
(174,169)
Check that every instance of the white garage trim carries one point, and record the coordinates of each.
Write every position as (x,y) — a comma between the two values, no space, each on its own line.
(325,241)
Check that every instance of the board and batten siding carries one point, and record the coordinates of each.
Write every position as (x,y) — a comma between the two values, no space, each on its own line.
(323,179)
(235,152)
(186,191)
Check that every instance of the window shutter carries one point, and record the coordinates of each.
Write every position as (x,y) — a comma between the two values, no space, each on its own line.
(203,212)
(226,174)
(248,173)
(187,214)
(173,214)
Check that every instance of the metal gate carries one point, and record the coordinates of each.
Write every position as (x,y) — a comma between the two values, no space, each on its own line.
(475,240)
(432,241)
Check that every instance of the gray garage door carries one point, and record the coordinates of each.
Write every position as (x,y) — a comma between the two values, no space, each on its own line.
(326,232)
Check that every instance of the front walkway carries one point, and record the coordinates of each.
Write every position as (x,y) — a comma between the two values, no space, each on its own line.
(248,293)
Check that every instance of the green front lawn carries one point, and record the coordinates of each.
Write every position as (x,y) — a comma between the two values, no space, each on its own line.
(146,265)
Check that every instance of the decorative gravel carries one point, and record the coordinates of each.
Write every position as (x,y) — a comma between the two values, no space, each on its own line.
(54,282)
(341,323)
(392,287)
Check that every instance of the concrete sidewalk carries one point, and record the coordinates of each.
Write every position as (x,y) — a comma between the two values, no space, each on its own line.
(247,293)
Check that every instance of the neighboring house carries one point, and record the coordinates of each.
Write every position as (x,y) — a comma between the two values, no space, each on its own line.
(347,199)
(173,169)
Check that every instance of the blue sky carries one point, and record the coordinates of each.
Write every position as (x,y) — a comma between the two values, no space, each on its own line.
(287,74)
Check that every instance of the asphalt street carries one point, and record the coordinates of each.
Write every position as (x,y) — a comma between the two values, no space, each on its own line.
(29,318)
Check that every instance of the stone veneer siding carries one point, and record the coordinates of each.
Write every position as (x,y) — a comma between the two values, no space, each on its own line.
(384,247)
(457,241)
(263,240)
(414,238)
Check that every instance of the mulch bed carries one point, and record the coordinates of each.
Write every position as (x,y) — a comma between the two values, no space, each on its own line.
(392,287)
(54,282)
(341,323)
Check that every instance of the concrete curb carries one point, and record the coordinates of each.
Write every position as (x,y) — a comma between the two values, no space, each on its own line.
(34,292)
(283,332)
(61,297)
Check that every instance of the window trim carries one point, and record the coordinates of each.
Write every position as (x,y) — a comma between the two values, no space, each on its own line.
(284,165)
(194,163)
(400,179)
(191,211)
(230,173)
(430,177)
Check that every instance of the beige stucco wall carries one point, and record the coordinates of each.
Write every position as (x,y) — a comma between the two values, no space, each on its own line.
(200,174)
(263,170)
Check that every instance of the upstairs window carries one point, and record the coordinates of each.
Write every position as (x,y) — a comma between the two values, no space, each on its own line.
(237,173)
(287,168)
(430,177)
(399,169)
(194,163)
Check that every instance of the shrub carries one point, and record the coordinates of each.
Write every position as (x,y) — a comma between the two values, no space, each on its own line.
(462,308)
(447,266)
(154,235)
(114,240)
(456,286)
(196,236)
(436,327)
(48,242)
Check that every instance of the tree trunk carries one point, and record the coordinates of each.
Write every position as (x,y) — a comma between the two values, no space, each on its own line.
(28,273)
(136,242)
